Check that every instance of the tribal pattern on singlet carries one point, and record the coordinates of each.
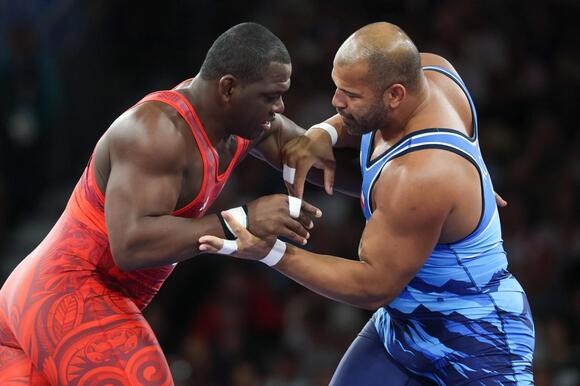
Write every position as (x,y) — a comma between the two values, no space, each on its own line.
(68,314)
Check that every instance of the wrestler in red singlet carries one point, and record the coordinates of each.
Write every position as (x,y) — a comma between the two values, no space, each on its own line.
(68,315)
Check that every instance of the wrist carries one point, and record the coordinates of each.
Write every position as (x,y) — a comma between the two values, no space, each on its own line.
(275,255)
(326,127)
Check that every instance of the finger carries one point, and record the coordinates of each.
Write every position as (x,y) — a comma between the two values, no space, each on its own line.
(288,173)
(238,229)
(210,244)
(500,201)
(290,189)
(310,210)
(305,220)
(296,227)
(294,206)
(328,178)
(295,232)
(302,169)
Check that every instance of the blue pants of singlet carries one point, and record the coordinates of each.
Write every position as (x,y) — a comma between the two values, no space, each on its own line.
(367,363)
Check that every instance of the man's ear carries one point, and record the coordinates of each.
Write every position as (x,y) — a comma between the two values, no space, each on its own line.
(394,95)
(226,87)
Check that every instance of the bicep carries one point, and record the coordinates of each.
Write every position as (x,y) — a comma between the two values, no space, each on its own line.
(395,252)
(145,180)
(402,232)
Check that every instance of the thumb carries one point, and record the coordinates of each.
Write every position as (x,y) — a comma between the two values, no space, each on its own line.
(237,228)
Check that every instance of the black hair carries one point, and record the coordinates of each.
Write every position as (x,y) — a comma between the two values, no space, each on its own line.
(244,51)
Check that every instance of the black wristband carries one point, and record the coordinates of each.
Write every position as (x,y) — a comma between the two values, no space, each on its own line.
(245,208)
(229,235)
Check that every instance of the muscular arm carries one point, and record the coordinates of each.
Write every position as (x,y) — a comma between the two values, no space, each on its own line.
(411,207)
(270,149)
(412,203)
(147,155)
(402,232)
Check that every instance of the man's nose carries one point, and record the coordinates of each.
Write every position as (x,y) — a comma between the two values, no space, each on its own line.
(279,106)
(338,100)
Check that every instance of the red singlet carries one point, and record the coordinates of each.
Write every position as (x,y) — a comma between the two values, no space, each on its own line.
(68,315)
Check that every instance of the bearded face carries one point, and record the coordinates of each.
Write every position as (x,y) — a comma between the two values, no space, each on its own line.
(361,118)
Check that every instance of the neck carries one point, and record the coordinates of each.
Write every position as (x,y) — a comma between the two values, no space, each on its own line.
(202,96)
(398,125)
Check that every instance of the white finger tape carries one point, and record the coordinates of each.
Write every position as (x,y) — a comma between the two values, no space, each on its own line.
(276,253)
(288,174)
(240,215)
(229,247)
(294,205)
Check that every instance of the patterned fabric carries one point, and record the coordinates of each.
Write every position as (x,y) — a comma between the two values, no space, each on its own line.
(463,318)
(69,315)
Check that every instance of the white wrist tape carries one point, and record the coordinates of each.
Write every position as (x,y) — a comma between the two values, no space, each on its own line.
(229,247)
(331,130)
(276,253)
(288,174)
(294,205)
(240,215)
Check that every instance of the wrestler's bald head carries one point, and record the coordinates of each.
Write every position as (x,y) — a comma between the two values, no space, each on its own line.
(391,56)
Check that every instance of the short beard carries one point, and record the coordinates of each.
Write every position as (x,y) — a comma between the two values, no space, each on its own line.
(375,118)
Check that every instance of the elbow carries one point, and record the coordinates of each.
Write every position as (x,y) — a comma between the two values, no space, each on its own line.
(375,298)
(373,305)
(123,257)
(121,261)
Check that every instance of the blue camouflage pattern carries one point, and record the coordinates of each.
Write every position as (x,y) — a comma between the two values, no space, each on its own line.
(463,319)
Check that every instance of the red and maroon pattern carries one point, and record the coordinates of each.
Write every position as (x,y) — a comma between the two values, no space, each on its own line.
(68,315)
(72,322)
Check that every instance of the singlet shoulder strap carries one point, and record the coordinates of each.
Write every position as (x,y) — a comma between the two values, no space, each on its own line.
(178,102)
(186,110)
(457,79)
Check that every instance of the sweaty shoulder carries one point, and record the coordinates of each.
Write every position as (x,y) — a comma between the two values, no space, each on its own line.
(428,59)
(417,182)
(148,134)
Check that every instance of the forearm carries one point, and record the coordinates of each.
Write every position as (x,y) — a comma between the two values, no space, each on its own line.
(153,241)
(353,282)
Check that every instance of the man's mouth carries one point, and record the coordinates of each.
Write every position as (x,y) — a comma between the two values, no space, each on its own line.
(344,116)
(266,125)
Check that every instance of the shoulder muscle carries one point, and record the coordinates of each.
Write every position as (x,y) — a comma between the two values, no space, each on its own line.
(146,135)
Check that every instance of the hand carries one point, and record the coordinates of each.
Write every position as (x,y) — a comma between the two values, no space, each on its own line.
(304,152)
(249,247)
(270,216)
(500,201)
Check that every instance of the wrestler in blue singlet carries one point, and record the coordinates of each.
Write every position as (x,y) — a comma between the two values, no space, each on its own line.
(463,319)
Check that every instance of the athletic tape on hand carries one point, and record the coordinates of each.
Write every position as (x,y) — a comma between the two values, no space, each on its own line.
(331,130)
(275,254)
(294,205)
(241,217)
(288,174)
(229,247)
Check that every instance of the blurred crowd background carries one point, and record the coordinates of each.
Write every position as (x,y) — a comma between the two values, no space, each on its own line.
(69,68)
